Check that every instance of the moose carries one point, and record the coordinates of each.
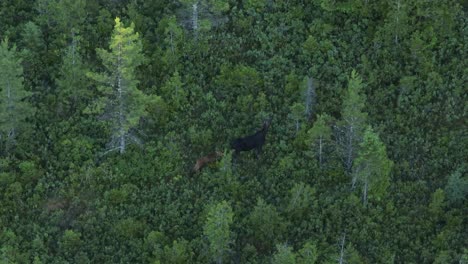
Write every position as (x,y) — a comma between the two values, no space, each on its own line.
(205,160)
(254,141)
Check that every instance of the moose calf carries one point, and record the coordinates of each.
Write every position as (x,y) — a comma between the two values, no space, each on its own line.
(203,161)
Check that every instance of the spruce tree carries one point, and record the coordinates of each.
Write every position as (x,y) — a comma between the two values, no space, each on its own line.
(353,122)
(121,102)
(372,166)
(13,107)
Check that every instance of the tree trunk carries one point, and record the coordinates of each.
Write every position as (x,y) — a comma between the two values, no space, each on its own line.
(121,128)
(195,19)
(364,194)
(341,259)
(320,151)
(310,98)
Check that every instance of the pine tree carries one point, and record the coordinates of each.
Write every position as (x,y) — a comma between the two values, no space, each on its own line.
(122,103)
(372,166)
(456,188)
(13,107)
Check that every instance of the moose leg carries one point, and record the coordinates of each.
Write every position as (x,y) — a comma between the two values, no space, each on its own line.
(234,157)
(258,150)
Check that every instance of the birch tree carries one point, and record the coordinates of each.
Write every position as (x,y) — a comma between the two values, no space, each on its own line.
(13,107)
(122,104)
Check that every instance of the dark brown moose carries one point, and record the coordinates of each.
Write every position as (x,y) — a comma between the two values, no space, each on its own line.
(254,141)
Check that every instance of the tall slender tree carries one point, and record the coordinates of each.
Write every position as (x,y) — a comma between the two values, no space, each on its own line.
(13,107)
(353,122)
(319,136)
(121,103)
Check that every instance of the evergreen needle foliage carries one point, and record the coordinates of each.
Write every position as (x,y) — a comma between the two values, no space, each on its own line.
(106,108)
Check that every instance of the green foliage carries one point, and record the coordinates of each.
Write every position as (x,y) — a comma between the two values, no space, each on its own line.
(353,120)
(217,230)
(325,71)
(301,199)
(435,207)
(319,138)
(284,255)
(70,242)
(307,254)
(297,114)
(266,225)
(72,81)
(457,187)
(13,107)
(120,97)
(372,166)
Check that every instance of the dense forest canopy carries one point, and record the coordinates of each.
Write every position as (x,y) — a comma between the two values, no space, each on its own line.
(106,106)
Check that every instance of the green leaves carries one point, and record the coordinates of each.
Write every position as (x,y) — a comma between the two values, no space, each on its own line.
(217,230)
(284,255)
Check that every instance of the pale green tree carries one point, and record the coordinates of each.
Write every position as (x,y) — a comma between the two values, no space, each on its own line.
(284,255)
(456,188)
(307,254)
(217,230)
(209,9)
(121,103)
(297,114)
(372,166)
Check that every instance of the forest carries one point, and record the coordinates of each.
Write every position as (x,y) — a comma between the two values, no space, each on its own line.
(233,131)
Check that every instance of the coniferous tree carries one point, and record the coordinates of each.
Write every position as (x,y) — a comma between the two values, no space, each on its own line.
(307,254)
(372,166)
(297,114)
(456,188)
(318,137)
(122,103)
(284,255)
(72,83)
(353,122)
(14,109)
